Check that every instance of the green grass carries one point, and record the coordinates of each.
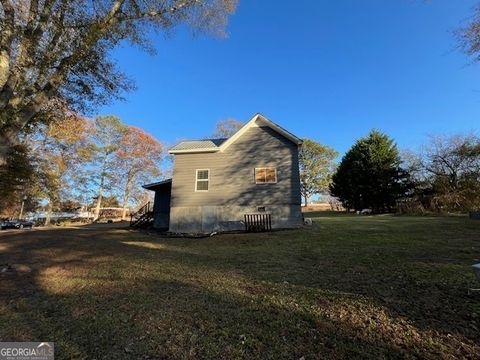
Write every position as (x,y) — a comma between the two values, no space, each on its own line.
(349,287)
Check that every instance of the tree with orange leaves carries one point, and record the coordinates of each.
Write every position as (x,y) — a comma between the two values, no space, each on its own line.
(138,159)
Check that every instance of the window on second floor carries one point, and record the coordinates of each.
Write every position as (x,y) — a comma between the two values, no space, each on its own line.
(266,175)
(202,179)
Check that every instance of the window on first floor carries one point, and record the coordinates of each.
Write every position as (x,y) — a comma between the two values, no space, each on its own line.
(265,175)
(202,180)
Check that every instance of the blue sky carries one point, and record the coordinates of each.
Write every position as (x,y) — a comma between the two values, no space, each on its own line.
(329,70)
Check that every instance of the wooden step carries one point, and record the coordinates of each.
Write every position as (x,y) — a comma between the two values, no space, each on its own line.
(144,220)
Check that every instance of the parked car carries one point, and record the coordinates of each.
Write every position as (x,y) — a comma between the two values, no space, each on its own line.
(16,224)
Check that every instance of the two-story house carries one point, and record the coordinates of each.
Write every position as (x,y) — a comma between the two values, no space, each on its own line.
(217,181)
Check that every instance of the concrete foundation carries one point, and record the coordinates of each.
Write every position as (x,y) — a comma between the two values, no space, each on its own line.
(160,221)
(207,219)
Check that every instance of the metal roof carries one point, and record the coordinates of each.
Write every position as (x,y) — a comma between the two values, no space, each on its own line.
(214,145)
(206,144)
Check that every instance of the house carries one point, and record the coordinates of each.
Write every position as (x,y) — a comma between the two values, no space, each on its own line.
(217,181)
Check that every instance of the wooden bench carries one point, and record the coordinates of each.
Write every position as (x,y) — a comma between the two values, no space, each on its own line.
(258,222)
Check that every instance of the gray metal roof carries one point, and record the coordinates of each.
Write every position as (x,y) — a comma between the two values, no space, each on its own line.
(214,145)
(198,144)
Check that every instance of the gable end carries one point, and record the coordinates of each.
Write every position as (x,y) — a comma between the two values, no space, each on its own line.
(260,121)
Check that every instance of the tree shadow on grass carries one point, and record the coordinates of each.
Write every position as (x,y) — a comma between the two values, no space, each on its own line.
(180,299)
(109,313)
(428,291)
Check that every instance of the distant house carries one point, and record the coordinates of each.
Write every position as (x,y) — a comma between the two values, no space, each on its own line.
(217,181)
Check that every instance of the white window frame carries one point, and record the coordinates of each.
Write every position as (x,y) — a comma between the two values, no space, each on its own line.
(203,180)
(265,182)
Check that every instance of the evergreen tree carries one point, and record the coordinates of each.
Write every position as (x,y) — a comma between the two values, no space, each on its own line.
(370,175)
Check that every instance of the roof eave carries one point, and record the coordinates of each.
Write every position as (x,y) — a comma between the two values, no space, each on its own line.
(159,183)
(193,151)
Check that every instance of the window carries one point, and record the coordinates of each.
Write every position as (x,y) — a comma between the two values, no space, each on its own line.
(266,175)
(202,179)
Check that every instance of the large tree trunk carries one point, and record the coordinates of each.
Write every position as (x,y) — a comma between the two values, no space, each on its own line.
(99,204)
(4,67)
(8,141)
(5,148)
(13,120)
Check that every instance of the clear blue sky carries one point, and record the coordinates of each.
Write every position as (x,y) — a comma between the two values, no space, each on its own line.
(330,70)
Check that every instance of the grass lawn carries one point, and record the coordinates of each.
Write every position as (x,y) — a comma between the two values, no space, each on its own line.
(349,287)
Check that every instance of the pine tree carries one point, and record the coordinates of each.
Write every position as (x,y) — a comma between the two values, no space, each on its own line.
(370,176)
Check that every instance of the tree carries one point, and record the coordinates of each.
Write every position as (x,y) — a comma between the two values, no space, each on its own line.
(69,205)
(109,132)
(61,149)
(16,181)
(226,128)
(316,168)
(58,51)
(446,173)
(107,201)
(138,159)
(469,36)
(370,176)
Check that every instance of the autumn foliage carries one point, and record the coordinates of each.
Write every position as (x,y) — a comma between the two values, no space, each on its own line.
(83,162)
(138,158)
